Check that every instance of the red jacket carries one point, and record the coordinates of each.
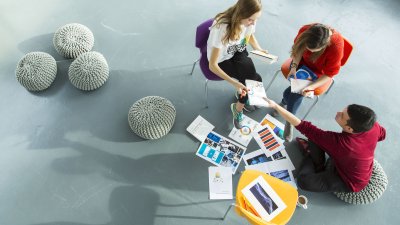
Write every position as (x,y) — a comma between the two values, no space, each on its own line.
(329,62)
(353,154)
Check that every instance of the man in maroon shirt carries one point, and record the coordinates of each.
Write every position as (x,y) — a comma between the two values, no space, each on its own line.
(351,152)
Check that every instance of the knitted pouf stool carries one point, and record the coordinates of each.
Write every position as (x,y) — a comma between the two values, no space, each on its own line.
(151,117)
(89,71)
(36,71)
(73,39)
(372,192)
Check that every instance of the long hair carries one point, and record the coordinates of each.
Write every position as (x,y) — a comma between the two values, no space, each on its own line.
(232,17)
(316,36)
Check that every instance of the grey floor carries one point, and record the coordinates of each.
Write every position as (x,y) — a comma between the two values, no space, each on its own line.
(68,157)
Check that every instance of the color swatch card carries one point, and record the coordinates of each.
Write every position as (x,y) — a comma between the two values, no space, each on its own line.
(275,125)
(256,93)
(267,140)
(220,182)
(221,151)
(243,136)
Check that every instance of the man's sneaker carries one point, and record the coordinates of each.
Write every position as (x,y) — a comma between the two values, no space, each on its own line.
(275,113)
(237,117)
(247,106)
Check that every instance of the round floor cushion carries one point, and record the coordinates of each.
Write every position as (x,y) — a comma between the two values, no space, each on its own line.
(73,39)
(89,71)
(151,117)
(372,192)
(36,71)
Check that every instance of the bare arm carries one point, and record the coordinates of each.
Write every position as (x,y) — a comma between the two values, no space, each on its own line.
(214,67)
(318,83)
(288,116)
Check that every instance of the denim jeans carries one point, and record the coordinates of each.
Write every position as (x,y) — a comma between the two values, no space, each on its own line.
(292,100)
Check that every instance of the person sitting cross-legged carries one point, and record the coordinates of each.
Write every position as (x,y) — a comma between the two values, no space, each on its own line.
(351,151)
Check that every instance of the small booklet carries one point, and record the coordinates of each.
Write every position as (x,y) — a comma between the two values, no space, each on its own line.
(243,135)
(220,182)
(263,199)
(256,93)
(265,57)
(200,128)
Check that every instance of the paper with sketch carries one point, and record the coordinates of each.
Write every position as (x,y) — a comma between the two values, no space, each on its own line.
(267,140)
(265,57)
(221,151)
(220,182)
(256,93)
(275,125)
(263,199)
(200,128)
(243,136)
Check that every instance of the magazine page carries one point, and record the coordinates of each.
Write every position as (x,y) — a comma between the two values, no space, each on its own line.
(267,140)
(221,151)
(220,182)
(276,126)
(264,200)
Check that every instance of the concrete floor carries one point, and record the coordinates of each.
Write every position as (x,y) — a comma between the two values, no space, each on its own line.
(68,157)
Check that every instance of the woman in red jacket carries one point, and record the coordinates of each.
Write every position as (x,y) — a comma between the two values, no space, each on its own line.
(320,49)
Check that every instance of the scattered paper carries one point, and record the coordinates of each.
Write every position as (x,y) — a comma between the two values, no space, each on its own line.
(267,140)
(275,170)
(263,199)
(200,128)
(243,136)
(276,126)
(221,151)
(256,93)
(220,182)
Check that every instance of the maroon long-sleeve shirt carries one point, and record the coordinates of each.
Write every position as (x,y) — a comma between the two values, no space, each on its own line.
(353,154)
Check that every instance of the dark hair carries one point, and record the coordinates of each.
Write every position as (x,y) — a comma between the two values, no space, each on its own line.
(361,119)
(316,36)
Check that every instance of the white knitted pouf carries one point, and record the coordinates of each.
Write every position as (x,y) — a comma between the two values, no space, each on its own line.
(36,71)
(372,192)
(151,117)
(89,71)
(73,39)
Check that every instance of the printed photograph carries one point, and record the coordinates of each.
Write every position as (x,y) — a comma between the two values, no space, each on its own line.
(263,198)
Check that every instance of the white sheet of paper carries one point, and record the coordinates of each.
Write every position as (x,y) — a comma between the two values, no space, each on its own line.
(275,125)
(243,136)
(220,182)
(200,128)
(297,85)
(256,93)
(267,140)
(275,169)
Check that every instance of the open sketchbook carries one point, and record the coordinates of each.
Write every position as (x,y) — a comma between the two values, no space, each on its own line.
(265,57)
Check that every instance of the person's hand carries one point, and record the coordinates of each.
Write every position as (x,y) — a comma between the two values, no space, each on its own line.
(307,92)
(270,102)
(241,89)
(263,50)
(292,72)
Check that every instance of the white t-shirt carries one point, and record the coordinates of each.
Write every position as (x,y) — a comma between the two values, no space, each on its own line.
(217,33)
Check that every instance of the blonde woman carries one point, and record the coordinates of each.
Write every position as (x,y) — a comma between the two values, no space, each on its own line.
(228,58)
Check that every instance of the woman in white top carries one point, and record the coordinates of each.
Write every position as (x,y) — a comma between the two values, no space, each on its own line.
(228,58)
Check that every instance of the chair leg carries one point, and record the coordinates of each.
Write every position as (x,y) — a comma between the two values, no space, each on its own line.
(206,93)
(333,82)
(311,107)
(194,64)
(272,80)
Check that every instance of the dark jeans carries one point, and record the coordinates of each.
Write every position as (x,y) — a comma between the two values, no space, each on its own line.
(315,175)
(240,67)
(292,100)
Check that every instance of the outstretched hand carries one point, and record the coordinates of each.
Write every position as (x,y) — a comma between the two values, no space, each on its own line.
(270,102)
